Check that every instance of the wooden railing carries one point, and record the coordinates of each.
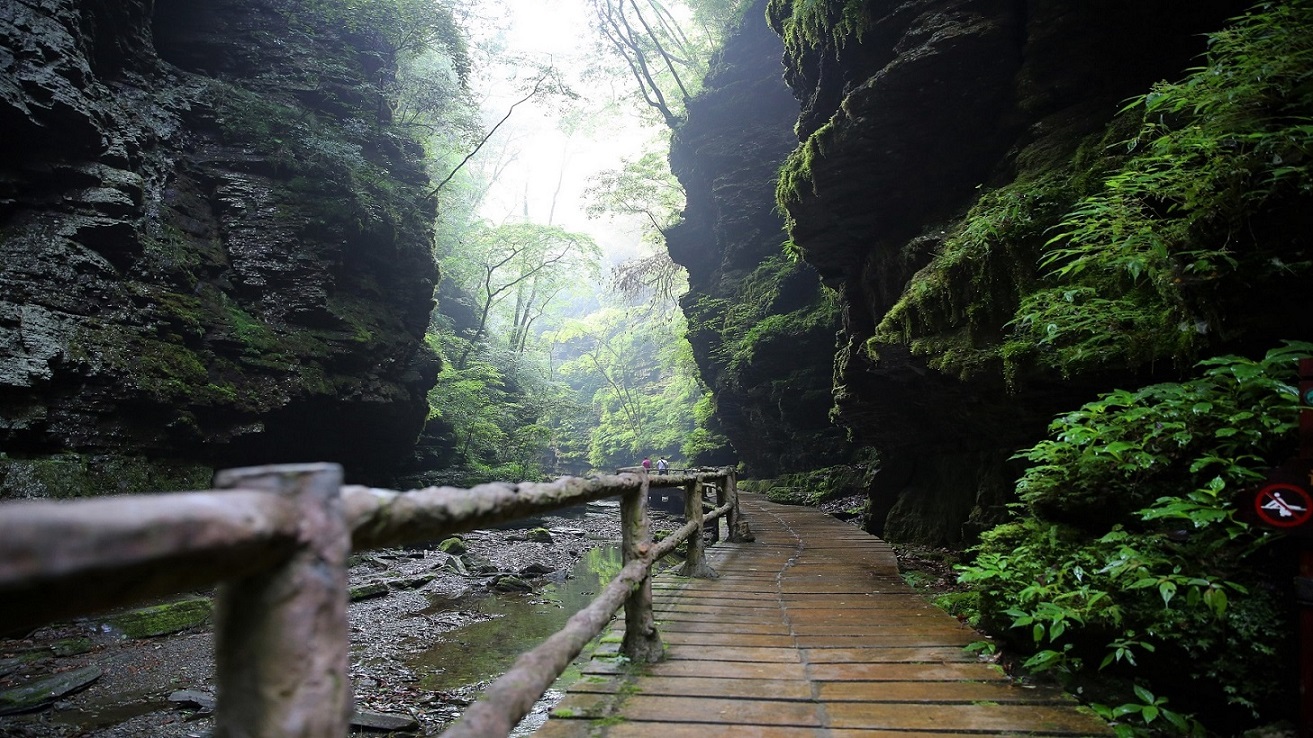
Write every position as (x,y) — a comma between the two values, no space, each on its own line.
(276,541)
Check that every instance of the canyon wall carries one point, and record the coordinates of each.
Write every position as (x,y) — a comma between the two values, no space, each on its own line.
(213,248)
(941,143)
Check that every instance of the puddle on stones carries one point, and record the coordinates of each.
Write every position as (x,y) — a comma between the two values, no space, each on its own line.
(484,650)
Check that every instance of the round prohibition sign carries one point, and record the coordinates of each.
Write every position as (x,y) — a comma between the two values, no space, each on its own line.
(1283,505)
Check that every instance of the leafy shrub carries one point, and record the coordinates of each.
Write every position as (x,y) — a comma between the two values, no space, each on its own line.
(1126,568)
(1144,268)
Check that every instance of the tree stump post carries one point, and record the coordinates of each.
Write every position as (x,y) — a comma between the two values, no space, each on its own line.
(281,639)
(642,643)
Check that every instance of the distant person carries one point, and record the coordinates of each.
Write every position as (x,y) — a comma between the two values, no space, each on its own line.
(647,464)
(662,465)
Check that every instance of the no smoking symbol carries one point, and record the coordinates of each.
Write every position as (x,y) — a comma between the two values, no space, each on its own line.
(1283,505)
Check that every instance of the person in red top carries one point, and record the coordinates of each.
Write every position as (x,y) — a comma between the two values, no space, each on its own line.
(647,463)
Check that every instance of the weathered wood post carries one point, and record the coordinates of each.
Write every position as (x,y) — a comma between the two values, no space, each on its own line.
(642,643)
(720,500)
(696,563)
(738,527)
(282,636)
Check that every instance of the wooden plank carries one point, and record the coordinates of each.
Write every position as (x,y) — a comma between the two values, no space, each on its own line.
(1019,718)
(896,672)
(728,639)
(709,669)
(939,692)
(586,728)
(949,631)
(714,710)
(776,689)
(808,636)
(887,654)
(733,653)
(702,626)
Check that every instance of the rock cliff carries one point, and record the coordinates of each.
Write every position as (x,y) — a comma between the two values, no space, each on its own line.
(912,114)
(761,327)
(213,249)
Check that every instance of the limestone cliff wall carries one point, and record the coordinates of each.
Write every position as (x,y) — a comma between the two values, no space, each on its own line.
(213,250)
(761,328)
(909,111)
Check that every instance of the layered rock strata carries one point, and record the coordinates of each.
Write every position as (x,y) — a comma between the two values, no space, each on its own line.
(213,249)
(910,111)
(761,327)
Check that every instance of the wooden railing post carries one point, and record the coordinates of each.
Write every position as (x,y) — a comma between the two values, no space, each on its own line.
(696,563)
(281,639)
(738,527)
(642,643)
(720,500)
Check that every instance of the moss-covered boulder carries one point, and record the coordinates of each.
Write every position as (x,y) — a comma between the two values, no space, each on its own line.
(453,546)
(157,620)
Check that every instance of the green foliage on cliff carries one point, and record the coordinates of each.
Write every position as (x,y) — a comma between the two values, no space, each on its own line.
(952,308)
(758,319)
(1141,238)
(1126,562)
(1168,229)
(795,179)
(806,24)
(403,28)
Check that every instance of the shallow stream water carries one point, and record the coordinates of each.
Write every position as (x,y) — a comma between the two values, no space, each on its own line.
(483,650)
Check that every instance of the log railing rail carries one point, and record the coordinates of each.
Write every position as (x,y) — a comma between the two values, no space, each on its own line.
(276,540)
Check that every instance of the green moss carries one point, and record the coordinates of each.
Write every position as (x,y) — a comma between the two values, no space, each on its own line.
(163,619)
(71,646)
(453,546)
(814,487)
(954,309)
(79,475)
(168,370)
(794,182)
(808,24)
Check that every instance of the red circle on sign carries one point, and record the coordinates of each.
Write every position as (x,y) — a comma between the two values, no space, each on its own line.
(1283,505)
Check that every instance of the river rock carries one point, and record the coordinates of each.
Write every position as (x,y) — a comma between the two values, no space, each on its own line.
(71,646)
(456,565)
(510,583)
(414,582)
(194,698)
(383,721)
(535,569)
(171,617)
(368,591)
(539,535)
(453,546)
(42,692)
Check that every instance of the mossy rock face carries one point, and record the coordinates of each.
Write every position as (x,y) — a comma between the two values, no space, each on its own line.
(82,475)
(158,620)
(540,535)
(787,495)
(453,546)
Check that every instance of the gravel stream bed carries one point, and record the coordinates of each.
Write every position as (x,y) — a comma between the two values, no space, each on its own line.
(427,599)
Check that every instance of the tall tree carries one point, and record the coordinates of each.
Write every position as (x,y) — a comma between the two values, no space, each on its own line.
(530,262)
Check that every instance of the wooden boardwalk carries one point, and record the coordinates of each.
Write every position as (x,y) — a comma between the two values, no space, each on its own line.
(808,631)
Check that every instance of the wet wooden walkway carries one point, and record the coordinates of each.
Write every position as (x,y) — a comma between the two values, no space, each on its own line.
(808,631)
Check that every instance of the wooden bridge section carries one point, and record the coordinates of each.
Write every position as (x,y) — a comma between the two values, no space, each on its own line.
(808,631)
